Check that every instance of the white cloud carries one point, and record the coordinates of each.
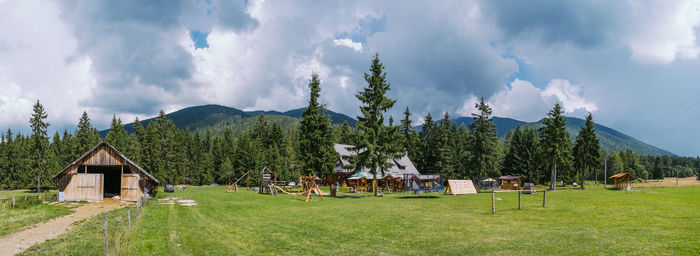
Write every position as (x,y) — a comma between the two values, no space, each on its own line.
(524,101)
(39,60)
(570,96)
(663,31)
(357,46)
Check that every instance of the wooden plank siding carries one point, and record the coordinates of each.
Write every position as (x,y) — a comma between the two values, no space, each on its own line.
(76,184)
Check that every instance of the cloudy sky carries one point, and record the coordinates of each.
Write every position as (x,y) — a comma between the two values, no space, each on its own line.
(633,64)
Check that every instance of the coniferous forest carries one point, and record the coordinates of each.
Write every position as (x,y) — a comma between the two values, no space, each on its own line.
(176,156)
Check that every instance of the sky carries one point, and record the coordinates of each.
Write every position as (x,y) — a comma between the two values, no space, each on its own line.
(633,64)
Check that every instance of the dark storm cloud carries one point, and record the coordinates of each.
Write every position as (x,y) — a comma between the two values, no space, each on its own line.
(136,47)
(583,23)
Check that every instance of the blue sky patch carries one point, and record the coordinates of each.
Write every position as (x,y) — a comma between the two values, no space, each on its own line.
(199,39)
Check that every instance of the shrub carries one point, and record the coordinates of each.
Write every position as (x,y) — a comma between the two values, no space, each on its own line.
(21,203)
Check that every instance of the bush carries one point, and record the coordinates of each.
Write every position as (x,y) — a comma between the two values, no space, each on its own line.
(21,203)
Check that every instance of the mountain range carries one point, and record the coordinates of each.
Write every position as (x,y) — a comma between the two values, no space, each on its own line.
(216,117)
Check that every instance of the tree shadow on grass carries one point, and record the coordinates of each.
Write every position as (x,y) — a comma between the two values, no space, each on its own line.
(351,196)
(417,197)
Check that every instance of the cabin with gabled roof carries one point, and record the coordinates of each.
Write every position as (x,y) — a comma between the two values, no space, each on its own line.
(102,172)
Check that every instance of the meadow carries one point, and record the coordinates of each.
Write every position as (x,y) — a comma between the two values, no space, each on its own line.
(597,221)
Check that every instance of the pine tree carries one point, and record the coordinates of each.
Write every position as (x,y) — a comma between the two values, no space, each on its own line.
(375,146)
(555,142)
(86,136)
(446,147)
(316,153)
(345,136)
(117,136)
(658,169)
(483,143)
(136,150)
(522,156)
(40,144)
(67,149)
(587,149)
(427,159)
(407,131)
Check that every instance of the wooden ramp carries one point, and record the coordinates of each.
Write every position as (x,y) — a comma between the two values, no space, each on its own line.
(461,187)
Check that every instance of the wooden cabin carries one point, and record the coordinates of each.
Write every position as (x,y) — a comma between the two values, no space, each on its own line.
(622,180)
(510,182)
(102,172)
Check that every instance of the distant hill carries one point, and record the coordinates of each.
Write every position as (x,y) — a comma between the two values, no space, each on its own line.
(216,118)
(610,139)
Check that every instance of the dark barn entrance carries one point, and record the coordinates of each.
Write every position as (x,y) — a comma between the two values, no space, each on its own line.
(112,177)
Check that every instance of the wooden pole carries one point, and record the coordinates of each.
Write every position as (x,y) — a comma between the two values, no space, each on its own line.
(128,214)
(519,198)
(493,202)
(13,201)
(544,197)
(106,244)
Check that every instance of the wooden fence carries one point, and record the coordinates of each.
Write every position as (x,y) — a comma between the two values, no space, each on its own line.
(520,192)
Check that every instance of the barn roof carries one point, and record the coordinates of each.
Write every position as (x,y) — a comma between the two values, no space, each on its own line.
(101,143)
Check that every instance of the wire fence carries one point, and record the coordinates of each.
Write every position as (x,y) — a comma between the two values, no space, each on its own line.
(117,227)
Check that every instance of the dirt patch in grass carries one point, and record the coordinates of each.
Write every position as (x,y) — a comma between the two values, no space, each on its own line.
(19,241)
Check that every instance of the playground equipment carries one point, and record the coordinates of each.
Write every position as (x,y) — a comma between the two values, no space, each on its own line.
(423,182)
(308,185)
(267,184)
(233,187)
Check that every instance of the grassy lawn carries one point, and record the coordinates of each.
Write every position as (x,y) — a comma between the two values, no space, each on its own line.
(590,222)
(13,220)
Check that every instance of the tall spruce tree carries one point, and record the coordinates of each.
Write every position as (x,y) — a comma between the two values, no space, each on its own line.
(376,145)
(555,142)
(483,143)
(446,147)
(316,153)
(117,136)
(86,136)
(522,156)
(427,161)
(39,145)
(587,149)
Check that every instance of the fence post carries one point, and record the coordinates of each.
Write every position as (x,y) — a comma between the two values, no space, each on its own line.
(493,202)
(13,201)
(106,243)
(544,197)
(519,196)
(128,213)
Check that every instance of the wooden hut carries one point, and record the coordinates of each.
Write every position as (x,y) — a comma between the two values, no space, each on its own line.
(102,172)
(510,182)
(622,180)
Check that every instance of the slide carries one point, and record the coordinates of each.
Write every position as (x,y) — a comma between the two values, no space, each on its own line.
(282,190)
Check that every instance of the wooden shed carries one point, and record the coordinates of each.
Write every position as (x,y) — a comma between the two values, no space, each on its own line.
(622,180)
(102,172)
(510,182)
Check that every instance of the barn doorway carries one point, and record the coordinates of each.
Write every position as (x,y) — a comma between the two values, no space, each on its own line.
(112,178)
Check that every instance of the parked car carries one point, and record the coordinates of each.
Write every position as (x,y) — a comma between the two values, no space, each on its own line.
(529,188)
(169,188)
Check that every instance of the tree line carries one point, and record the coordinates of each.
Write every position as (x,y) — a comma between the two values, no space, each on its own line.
(175,156)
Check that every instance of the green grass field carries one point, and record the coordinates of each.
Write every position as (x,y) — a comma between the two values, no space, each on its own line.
(13,220)
(590,222)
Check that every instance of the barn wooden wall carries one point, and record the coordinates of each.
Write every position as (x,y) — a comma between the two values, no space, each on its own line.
(71,183)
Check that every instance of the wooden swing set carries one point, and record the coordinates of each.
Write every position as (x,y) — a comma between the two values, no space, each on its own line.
(307,185)
(233,187)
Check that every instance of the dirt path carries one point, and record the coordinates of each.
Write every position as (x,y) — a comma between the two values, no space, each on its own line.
(20,241)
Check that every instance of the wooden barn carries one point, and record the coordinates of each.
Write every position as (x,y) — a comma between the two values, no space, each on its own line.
(102,172)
